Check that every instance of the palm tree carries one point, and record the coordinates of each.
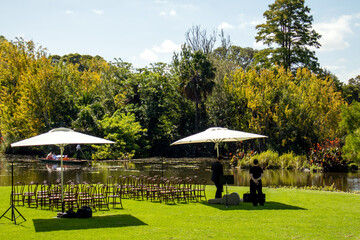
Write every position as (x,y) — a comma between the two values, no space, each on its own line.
(196,73)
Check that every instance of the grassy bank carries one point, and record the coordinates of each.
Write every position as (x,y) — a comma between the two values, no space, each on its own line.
(287,214)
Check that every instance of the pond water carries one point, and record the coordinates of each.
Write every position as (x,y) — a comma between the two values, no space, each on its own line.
(27,169)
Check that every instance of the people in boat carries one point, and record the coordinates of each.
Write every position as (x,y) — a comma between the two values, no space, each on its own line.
(52,156)
(78,149)
(49,156)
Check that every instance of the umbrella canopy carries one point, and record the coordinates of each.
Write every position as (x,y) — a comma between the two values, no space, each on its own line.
(61,137)
(218,135)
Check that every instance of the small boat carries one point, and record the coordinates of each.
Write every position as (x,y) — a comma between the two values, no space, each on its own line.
(65,161)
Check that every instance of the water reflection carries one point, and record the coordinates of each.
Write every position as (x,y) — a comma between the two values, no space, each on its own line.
(341,181)
(27,169)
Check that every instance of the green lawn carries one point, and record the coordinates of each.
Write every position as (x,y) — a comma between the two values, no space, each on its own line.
(287,214)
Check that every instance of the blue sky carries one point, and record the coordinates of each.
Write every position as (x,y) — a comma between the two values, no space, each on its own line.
(142,32)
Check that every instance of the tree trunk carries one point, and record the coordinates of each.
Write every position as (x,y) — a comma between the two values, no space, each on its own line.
(197,117)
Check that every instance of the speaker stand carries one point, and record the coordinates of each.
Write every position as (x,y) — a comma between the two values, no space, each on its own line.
(12,207)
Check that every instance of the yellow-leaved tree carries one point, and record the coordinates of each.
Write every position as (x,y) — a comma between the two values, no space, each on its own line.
(294,111)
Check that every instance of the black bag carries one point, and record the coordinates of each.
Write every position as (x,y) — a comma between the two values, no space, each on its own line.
(68,214)
(247,197)
(84,212)
(262,198)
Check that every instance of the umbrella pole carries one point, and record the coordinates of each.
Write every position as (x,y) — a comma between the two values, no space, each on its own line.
(62,178)
(217,149)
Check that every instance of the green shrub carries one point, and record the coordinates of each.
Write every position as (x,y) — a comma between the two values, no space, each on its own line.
(315,168)
(125,131)
(244,162)
(306,165)
(286,160)
(241,158)
(353,167)
(352,146)
(268,159)
(300,162)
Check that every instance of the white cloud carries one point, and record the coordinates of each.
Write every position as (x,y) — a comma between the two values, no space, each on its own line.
(225,26)
(335,31)
(149,55)
(251,24)
(171,13)
(166,47)
(98,11)
(69,12)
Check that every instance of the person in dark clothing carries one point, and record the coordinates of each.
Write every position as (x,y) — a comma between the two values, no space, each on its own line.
(256,173)
(217,172)
(78,150)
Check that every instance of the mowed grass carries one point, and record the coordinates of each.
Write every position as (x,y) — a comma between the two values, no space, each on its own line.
(287,214)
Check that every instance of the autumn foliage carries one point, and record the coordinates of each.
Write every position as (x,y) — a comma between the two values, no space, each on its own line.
(328,156)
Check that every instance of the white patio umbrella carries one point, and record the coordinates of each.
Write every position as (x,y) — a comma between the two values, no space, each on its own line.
(61,137)
(218,135)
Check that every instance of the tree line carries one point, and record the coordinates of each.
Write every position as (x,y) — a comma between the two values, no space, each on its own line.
(280,92)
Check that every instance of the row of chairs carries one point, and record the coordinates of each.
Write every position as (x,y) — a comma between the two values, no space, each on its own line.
(160,189)
(111,193)
(75,196)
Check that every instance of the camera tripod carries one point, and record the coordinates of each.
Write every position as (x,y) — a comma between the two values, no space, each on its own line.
(12,207)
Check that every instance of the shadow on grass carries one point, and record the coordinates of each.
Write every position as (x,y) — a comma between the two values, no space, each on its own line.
(110,221)
(249,206)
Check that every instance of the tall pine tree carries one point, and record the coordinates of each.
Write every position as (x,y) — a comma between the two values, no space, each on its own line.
(289,27)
